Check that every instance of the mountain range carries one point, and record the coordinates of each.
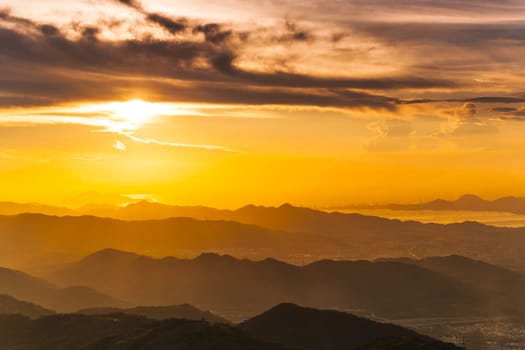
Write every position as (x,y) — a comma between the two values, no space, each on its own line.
(38,291)
(287,232)
(467,202)
(312,329)
(183,311)
(330,330)
(449,287)
(13,306)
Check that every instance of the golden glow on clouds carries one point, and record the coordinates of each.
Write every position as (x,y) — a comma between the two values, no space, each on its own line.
(269,125)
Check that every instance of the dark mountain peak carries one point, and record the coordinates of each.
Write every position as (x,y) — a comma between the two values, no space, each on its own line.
(286,206)
(210,257)
(314,329)
(111,254)
(468,198)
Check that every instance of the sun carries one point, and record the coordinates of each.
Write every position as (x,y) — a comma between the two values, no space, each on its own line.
(134,112)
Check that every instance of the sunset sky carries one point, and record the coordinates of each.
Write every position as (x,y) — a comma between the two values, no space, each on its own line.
(230,102)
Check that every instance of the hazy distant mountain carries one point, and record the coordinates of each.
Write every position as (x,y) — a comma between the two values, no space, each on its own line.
(285,232)
(389,289)
(467,202)
(183,311)
(38,234)
(122,332)
(496,283)
(11,208)
(41,292)
(312,329)
(12,306)
(94,199)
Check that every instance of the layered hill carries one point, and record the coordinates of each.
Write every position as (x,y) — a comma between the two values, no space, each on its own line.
(467,202)
(41,235)
(313,329)
(183,311)
(127,332)
(211,281)
(286,232)
(25,287)
(12,306)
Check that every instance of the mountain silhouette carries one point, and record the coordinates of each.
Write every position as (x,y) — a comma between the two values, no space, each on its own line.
(25,287)
(122,332)
(126,332)
(12,306)
(467,202)
(212,281)
(183,311)
(495,283)
(313,329)
(41,234)
(288,233)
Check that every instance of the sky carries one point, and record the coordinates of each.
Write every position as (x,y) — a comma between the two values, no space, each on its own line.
(230,102)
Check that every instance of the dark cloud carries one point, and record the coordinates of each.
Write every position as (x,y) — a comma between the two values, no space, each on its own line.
(213,33)
(172,26)
(131,3)
(461,34)
(510,113)
(481,99)
(225,63)
(50,67)
(296,34)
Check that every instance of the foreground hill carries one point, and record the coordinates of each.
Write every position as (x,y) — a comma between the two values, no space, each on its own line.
(12,306)
(127,332)
(41,292)
(184,311)
(312,329)
(211,281)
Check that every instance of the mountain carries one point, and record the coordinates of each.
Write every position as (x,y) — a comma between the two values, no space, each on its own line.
(407,343)
(12,306)
(92,199)
(41,292)
(329,330)
(40,235)
(122,332)
(358,236)
(287,232)
(494,282)
(467,202)
(313,329)
(183,311)
(11,208)
(221,283)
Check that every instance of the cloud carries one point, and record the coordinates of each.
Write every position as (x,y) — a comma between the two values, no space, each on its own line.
(176,144)
(509,113)
(46,66)
(468,113)
(119,146)
(391,135)
(467,121)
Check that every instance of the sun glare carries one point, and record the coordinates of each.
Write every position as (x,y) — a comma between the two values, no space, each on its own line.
(134,113)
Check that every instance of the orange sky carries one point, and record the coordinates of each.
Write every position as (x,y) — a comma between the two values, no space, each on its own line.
(225,103)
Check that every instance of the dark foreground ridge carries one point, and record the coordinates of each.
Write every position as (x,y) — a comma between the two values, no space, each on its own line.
(127,332)
(312,329)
